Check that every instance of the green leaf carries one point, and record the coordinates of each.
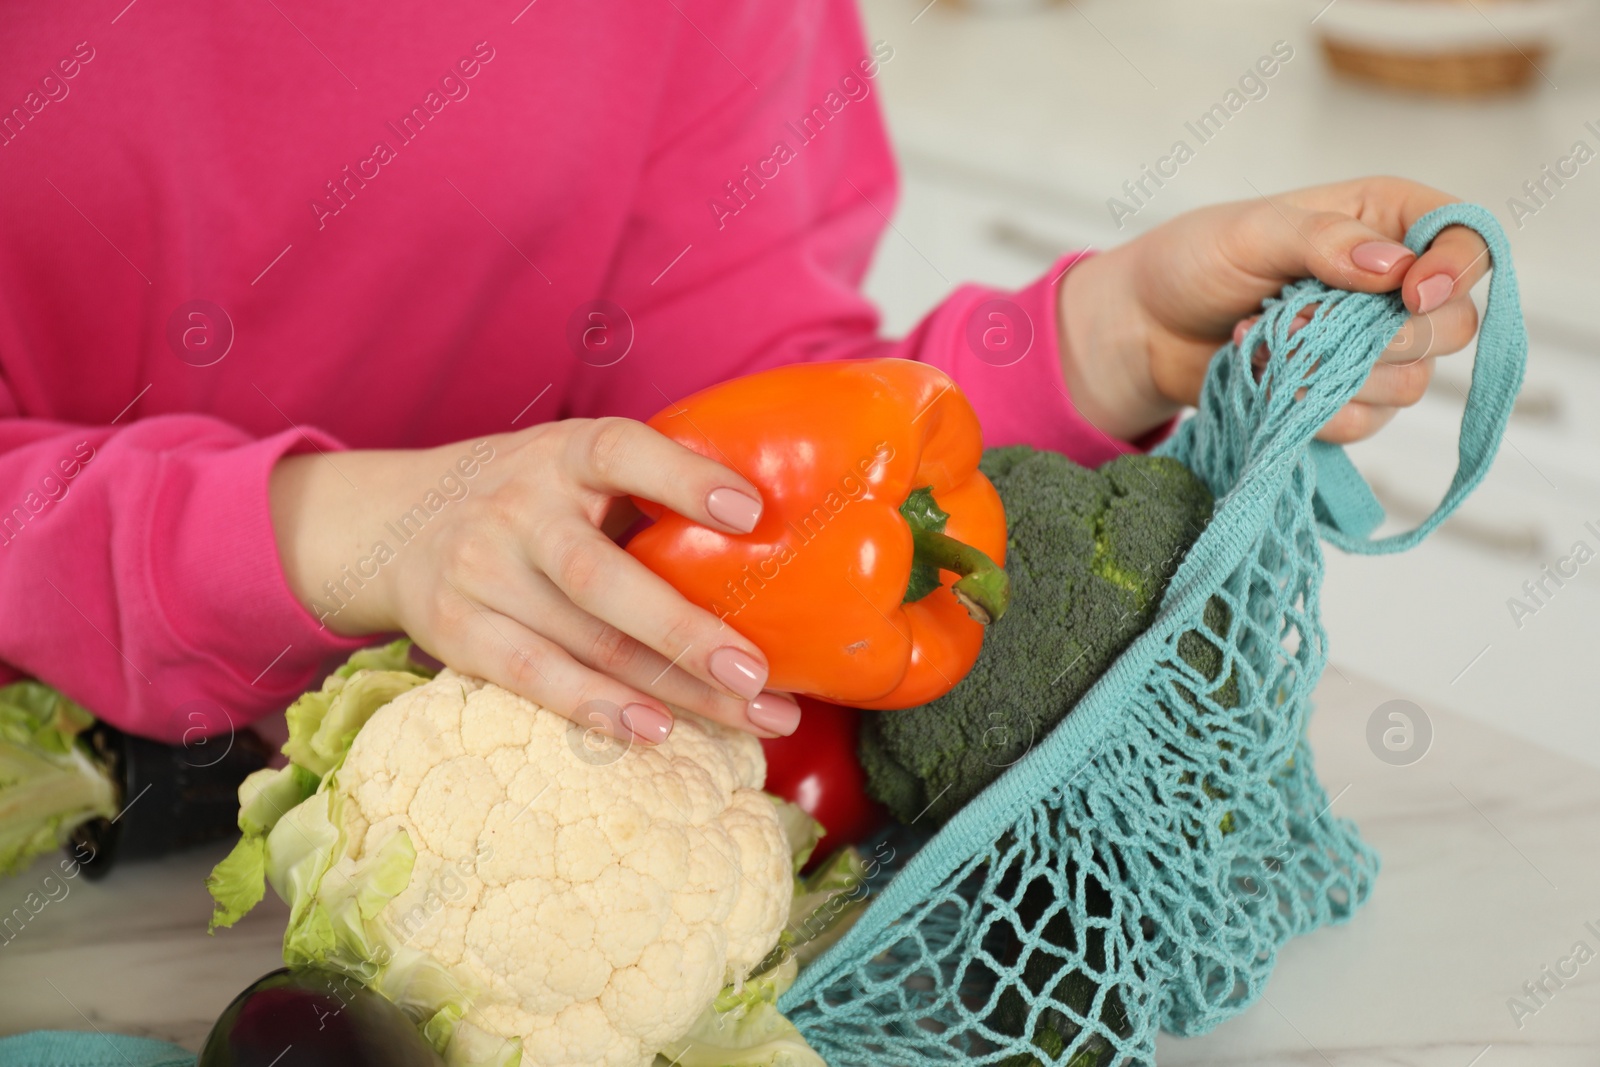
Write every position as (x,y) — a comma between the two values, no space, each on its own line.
(305,715)
(395,656)
(39,710)
(471,1046)
(50,780)
(744,1028)
(800,830)
(300,849)
(265,796)
(322,724)
(386,876)
(826,903)
(441,1026)
(238,883)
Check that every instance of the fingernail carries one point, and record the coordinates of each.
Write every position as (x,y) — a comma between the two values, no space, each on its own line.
(1241,328)
(1378,256)
(738,671)
(734,508)
(1432,291)
(774,713)
(648,724)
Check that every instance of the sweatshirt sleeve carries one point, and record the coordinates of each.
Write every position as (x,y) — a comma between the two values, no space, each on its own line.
(759,206)
(141,574)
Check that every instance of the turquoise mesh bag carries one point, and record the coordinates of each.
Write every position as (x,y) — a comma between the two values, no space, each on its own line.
(1141,867)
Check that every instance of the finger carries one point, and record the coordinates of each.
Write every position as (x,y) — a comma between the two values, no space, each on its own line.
(1449,267)
(777,712)
(1243,327)
(1261,356)
(1289,241)
(1354,422)
(1448,328)
(1388,204)
(621,456)
(534,600)
(501,650)
(1396,385)
(616,588)
(1456,259)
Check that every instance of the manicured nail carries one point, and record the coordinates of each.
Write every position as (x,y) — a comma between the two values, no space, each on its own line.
(738,671)
(1432,291)
(646,723)
(734,508)
(1378,256)
(774,713)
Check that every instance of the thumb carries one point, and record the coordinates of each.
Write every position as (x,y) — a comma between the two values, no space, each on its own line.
(1337,249)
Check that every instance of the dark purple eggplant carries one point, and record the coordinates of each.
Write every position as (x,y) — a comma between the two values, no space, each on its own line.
(314,1017)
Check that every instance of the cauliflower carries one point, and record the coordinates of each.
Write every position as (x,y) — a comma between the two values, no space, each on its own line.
(523,888)
(604,897)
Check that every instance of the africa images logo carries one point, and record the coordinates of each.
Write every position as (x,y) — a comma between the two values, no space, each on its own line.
(754,177)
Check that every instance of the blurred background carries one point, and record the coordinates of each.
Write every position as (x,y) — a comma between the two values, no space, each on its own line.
(1017,123)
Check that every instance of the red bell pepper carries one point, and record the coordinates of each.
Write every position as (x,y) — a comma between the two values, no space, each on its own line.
(816,768)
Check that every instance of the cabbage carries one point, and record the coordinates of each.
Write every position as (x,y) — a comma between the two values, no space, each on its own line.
(49,780)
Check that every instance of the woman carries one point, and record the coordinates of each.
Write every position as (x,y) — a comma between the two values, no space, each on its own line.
(321,325)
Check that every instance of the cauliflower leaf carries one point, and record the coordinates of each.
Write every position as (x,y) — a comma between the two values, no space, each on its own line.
(744,1028)
(238,883)
(322,724)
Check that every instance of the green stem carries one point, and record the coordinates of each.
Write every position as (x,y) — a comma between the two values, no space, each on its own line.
(984,588)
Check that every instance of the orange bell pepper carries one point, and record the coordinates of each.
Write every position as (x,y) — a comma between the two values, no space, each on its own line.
(877,560)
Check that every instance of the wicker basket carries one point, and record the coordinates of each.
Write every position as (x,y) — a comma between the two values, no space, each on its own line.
(1445,47)
(1473,73)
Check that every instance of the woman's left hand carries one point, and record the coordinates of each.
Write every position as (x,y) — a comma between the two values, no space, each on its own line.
(1140,322)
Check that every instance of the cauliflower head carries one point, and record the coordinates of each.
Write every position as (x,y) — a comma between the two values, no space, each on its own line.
(595,896)
(527,891)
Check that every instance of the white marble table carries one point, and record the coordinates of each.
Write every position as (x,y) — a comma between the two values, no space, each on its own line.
(1491,851)
(1491,869)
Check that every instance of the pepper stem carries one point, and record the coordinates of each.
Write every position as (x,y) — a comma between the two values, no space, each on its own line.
(984,588)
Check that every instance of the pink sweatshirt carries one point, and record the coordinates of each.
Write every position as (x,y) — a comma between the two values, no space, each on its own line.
(233,233)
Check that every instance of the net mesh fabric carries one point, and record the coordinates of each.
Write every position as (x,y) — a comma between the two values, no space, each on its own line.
(1141,867)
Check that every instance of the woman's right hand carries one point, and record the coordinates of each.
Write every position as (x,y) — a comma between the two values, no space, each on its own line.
(508,572)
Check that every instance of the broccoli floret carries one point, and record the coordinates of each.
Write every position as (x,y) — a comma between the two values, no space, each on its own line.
(1089,553)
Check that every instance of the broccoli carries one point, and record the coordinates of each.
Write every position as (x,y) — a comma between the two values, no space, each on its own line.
(1089,554)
